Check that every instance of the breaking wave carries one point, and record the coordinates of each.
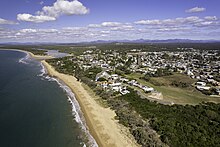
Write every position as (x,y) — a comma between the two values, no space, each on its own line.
(76,110)
(25,59)
(43,71)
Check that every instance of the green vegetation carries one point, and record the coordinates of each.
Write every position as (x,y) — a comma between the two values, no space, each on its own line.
(180,94)
(177,125)
(151,123)
(217,78)
(180,125)
(92,72)
(138,127)
(36,52)
(101,79)
(176,80)
(66,66)
(122,70)
(79,48)
(71,49)
(160,73)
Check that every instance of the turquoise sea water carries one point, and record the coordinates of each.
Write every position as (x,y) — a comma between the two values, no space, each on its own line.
(34,109)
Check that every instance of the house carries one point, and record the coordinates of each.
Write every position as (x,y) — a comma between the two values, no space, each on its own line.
(132,82)
(190,73)
(147,89)
(85,67)
(114,76)
(104,66)
(124,91)
(116,86)
(200,83)
(104,85)
(102,74)
(124,80)
(203,87)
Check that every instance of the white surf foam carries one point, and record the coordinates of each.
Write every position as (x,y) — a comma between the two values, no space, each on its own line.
(76,110)
(25,59)
(43,71)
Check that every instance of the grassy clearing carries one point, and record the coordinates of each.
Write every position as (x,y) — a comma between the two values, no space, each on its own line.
(174,94)
(168,80)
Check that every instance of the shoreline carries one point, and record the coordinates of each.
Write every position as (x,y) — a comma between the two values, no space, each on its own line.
(37,57)
(100,121)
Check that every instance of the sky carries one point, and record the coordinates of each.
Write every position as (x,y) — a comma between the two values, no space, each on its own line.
(69,21)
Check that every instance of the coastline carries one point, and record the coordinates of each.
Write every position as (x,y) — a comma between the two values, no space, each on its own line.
(37,57)
(100,121)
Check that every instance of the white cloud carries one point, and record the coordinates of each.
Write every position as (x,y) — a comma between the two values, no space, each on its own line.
(9,22)
(28,31)
(173,29)
(123,28)
(181,24)
(208,24)
(38,30)
(211,18)
(61,7)
(184,27)
(94,25)
(105,24)
(149,22)
(74,28)
(51,13)
(176,21)
(41,3)
(35,19)
(191,19)
(110,24)
(105,32)
(195,10)
(48,30)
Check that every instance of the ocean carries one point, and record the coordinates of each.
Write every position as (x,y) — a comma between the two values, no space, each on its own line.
(35,109)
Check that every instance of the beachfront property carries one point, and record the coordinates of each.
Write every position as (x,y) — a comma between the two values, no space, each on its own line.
(126,76)
(196,64)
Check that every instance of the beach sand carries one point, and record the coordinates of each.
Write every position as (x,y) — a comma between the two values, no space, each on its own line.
(100,121)
(40,57)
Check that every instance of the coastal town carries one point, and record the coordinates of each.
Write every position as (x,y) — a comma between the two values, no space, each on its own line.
(92,73)
(153,95)
(201,65)
(145,88)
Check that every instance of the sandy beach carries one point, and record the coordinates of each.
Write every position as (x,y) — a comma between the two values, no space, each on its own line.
(40,57)
(100,121)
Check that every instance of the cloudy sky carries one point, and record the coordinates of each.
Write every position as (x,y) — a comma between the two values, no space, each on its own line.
(89,20)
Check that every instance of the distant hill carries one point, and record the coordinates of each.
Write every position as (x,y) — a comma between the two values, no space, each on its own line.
(116,41)
(156,41)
